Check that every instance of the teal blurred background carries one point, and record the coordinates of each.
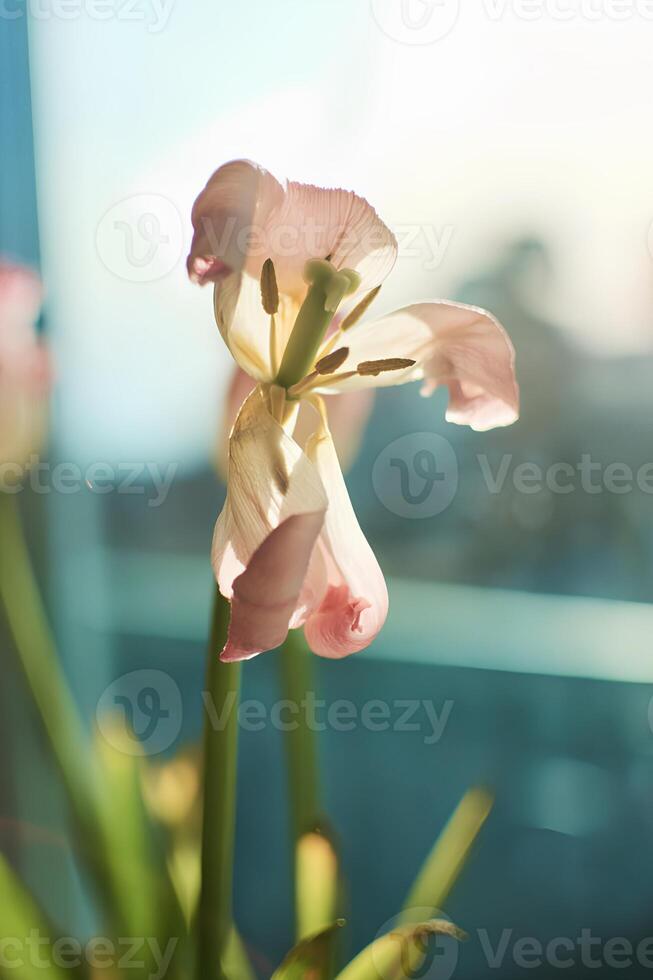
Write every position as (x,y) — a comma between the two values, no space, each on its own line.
(512,156)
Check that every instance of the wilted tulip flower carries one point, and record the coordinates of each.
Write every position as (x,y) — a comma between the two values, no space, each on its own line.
(24,371)
(294,269)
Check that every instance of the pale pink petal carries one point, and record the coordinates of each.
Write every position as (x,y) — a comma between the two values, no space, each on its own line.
(316,222)
(267,593)
(355,605)
(456,345)
(270,479)
(244,215)
(236,201)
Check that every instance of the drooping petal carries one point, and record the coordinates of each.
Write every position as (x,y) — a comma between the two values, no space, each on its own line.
(456,345)
(270,479)
(355,605)
(244,215)
(266,595)
(235,203)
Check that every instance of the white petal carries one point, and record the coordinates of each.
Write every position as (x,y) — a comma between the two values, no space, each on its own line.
(246,327)
(270,479)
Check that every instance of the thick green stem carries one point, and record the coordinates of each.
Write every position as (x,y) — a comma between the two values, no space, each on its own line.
(214,922)
(298,686)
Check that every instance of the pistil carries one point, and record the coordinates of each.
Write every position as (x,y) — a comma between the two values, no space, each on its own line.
(327,289)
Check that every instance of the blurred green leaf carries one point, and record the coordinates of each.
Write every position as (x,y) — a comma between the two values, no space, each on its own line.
(235,962)
(400,953)
(444,864)
(127,830)
(311,958)
(20,916)
(316,883)
(66,734)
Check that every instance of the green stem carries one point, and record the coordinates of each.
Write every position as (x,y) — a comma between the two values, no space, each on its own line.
(35,647)
(219,820)
(296,667)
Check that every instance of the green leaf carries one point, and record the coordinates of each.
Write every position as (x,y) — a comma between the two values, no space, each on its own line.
(400,953)
(444,864)
(312,957)
(20,916)
(316,883)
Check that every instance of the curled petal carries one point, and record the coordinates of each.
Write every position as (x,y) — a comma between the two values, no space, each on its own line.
(355,605)
(244,216)
(267,593)
(456,345)
(235,202)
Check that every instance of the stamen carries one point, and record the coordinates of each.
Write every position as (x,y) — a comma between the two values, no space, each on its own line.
(315,380)
(269,288)
(331,363)
(375,368)
(360,309)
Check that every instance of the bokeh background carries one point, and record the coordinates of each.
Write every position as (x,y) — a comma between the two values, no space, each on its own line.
(509,146)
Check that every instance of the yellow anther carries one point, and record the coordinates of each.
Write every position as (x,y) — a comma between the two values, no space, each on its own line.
(269,288)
